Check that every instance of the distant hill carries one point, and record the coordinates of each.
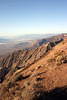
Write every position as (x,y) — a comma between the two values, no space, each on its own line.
(12,45)
(2,40)
(49,39)
(34,36)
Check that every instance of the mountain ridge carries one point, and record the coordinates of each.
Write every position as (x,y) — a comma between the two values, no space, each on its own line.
(23,58)
(44,77)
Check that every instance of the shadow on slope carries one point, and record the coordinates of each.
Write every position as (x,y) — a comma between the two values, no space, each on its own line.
(56,94)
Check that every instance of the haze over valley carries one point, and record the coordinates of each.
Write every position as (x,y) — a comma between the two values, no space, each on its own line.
(9,44)
(25,42)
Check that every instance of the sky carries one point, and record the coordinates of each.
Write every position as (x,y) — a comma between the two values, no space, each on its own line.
(18,17)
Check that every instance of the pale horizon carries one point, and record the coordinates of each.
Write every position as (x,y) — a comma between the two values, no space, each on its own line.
(11,35)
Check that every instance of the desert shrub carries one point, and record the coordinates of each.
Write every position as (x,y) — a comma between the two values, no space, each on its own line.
(61,59)
(52,59)
(39,67)
(19,77)
(12,90)
(58,53)
(28,93)
(49,60)
(27,83)
(35,74)
(32,70)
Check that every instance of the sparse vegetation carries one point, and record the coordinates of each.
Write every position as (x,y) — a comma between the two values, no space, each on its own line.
(32,70)
(19,77)
(39,67)
(50,60)
(59,58)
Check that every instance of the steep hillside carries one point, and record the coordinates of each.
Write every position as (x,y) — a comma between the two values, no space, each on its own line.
(22,58)
(29,76)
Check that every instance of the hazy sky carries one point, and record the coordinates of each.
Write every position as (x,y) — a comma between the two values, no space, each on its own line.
(32,16)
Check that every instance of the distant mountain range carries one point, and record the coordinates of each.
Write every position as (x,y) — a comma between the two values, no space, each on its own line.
(34,36)
(2,40)
(27,42)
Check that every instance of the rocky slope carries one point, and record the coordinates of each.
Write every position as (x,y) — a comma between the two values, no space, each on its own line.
(39,74)
(22,58)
